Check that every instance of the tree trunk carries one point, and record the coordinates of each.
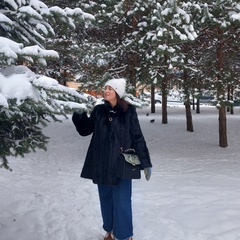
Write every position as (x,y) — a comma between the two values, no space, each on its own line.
(230,97)
(222,127)
(187,102)
(189,117)
(164,109)
(164,95)
(222,111)
(193,102)
(198,106)
(164,101)
(133,61)
(231,110)
(198,102)
(153,109)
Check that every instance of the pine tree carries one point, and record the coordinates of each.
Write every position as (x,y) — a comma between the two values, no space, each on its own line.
(100,61)
(24,28)
(221,33)
(68,41)
(162,29)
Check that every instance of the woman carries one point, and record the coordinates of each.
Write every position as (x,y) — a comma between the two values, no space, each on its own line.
(115,126)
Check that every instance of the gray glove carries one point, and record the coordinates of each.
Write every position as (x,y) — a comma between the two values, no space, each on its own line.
(148,173)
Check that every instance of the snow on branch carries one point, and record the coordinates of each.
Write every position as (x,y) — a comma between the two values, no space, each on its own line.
(28,10)
(235,17)
(39,52)
(5,19)
(20,83)
(78,12)
(11,51)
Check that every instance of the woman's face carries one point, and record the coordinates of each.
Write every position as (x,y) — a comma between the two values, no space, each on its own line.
(110,95)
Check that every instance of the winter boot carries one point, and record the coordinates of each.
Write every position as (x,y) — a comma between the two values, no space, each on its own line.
(109,236)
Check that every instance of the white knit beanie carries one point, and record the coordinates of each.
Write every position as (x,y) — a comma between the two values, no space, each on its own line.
(118,84)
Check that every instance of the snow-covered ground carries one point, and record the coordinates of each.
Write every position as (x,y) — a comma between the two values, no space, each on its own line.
(193,194)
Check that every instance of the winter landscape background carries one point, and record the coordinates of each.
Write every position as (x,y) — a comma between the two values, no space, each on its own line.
(194,190)
(193,193)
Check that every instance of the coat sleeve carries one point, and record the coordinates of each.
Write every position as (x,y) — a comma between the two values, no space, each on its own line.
(138,141)
(84,124)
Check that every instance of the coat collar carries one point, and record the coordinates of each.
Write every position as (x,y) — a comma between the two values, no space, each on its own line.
(109,107)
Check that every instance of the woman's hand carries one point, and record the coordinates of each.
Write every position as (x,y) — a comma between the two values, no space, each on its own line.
(148,173)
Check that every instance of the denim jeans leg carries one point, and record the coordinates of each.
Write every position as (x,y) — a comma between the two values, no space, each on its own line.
(106,202)
(121,239)
(122,216)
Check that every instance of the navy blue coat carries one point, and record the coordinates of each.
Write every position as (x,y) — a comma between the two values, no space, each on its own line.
(112,129)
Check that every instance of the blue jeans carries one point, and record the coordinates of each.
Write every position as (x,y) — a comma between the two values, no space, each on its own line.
(116,208)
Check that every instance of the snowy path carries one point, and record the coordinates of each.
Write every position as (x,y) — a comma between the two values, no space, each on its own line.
(193,194)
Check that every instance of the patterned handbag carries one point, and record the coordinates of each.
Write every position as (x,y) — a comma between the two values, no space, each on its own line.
(131,166)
